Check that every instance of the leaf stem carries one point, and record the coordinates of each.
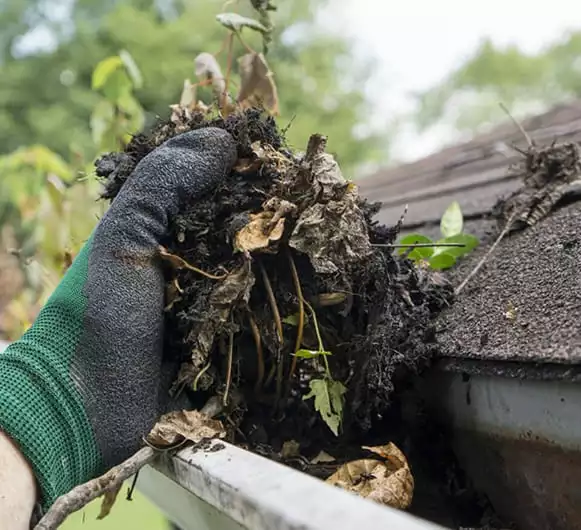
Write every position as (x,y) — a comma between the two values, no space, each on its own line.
(259,355)
(229,371)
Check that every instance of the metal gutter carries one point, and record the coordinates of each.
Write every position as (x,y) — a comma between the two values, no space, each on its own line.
(225,487)
(519,440)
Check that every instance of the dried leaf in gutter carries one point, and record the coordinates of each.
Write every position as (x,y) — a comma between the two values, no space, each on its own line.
(323,458)
(387,481)
(290,449)
(257,85)
(192,425)
(333,235)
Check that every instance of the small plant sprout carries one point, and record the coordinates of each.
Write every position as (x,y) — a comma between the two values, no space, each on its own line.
(443,253)
(328,393)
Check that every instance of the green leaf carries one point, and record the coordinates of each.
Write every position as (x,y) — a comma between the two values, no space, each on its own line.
(417,253)
(102,120)
(310,354)
(469,241)
(132,68)
(328,396)
(452,220)
(56,192)
(442,261)
(235,22)
(104,70)
(118,86)
(291,320)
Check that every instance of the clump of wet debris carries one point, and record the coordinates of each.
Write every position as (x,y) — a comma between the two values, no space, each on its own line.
(287,307)
(551,177)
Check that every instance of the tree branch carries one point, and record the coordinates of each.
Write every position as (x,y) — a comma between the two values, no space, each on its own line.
(83,494)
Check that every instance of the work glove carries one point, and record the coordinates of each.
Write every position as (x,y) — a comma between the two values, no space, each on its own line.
(87,381)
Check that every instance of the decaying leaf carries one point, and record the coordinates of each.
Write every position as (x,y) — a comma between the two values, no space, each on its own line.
(323,458)
(257,87)
(207,68)
(387,481)
(234,289)
(328,396)
(235,22)
(333,234)
(108,500)
(260,233)
(192,425)
(327,176)
(290,449)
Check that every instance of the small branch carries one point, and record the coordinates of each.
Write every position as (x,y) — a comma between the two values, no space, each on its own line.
(82,495)
(224,98)
(259,355)
(301,324)
(278,322)
(229,371)
(479,265)
(418,245)
(518,125)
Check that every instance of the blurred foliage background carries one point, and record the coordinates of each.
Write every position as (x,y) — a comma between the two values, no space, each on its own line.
(77,77)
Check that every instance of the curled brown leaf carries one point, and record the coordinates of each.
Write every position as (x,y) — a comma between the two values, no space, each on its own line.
(388,481)
(192,425)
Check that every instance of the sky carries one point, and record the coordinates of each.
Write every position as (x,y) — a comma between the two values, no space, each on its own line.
(417,42)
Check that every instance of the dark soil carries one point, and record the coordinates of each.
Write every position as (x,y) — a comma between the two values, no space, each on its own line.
(379,326)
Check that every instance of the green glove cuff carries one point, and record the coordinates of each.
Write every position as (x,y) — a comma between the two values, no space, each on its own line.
(40,408)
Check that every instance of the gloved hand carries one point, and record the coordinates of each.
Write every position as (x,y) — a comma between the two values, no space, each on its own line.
(82,387)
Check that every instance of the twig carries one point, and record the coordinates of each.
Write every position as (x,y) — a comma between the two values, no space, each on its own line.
(259,356)
(229,371)
(80,496)
(278,322)
(479,265)
(518,125)
(301,324)
(131,488)
(200,374)
(224,97)
(272,301)
(417,245)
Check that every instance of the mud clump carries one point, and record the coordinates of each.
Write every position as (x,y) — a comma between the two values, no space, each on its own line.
(281,304)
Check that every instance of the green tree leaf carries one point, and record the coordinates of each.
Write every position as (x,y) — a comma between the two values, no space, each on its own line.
(469,241)
(310,354)
(452,220)
(132,68)
(417,253)
(442,261)
(328,396)
(235,22)
(104,70)
(102,120)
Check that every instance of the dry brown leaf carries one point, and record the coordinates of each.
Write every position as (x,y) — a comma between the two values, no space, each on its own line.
(257,84)
(192,425)
(327,177)
(108,500)
(290,449)
(262,230)
(333,234)
(207,68)
(323,458)
(388,482)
